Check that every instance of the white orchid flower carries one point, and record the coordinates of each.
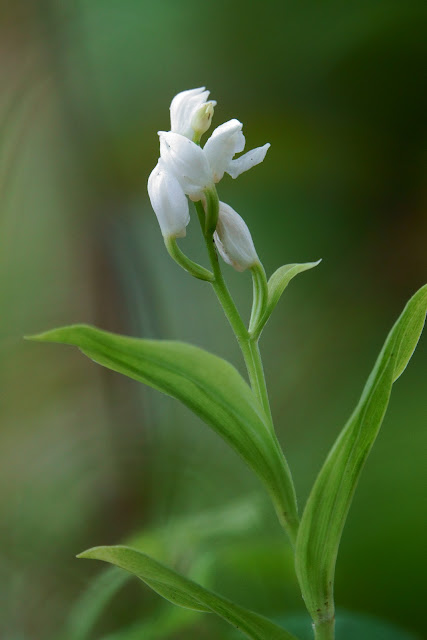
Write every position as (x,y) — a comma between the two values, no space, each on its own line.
(186,169)
(225,141)
(197,169)
(233,239)
(187,162)
(169,202)
(191,113)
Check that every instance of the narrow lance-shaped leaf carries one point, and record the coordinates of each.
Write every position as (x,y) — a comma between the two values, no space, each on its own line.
(165,621)
(168,543)
(276,286)
(327,507)
(209,386)
(186,593)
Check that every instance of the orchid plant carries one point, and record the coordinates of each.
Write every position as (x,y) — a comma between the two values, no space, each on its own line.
(214,390)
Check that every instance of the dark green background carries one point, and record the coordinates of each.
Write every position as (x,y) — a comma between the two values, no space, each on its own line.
(87,457)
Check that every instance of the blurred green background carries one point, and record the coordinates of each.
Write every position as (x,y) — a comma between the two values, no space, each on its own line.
(88,457)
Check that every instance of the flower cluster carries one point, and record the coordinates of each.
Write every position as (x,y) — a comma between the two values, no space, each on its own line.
(186,169)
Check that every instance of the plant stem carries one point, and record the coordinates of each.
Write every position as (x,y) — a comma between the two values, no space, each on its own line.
(180,258)
(324,630)
(285,504)
(218,283)
(255,369)
(248,346)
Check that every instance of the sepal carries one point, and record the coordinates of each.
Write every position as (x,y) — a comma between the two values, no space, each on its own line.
(247,161)
(190,112)
(225,141)
(187,162)
(169,202)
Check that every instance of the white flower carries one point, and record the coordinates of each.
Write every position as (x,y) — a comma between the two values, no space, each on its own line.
(191,114)
(187,162)
(233,239)
(168,201)
(225,141)
(185,168)
(196,169)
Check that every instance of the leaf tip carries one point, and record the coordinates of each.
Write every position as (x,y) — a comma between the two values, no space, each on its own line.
(311,265)
(94,553)
(61,334)
(45,336)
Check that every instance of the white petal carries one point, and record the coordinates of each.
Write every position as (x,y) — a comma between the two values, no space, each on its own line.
(168,201)
(187,161)
(247,161)
(183,108)
(225,141)
(233,239)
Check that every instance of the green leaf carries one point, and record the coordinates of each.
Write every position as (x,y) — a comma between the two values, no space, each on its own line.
(165,621)
(327,507)
(209,386)
(276,286)
(181,537)
(186,593)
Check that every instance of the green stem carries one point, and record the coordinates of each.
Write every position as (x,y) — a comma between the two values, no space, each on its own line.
(180,258)
(286,505)
(255,369)
(324,630)
(218,282)
(248,347)
(212,211)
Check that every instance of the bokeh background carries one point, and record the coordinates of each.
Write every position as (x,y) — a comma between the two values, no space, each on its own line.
(88,457)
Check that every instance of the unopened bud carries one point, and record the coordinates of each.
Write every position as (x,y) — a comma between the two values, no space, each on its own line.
(233,239)
(202,120)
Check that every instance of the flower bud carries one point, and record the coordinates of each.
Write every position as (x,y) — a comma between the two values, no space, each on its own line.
(169,202)
(233,239)
(187,162)
(184,110)
(202,120)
